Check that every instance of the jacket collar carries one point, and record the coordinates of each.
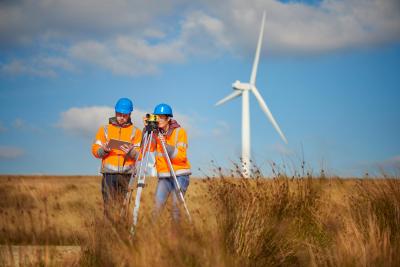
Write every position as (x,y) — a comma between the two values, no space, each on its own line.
(113,121)
(173,124)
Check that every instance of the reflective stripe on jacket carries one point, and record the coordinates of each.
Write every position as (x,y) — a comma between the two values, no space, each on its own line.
(177,141)
(116,160)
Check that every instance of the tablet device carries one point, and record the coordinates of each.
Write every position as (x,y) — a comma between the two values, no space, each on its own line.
(116,144)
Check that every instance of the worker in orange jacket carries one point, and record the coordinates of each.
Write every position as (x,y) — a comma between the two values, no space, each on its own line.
(117,163)
(175,139)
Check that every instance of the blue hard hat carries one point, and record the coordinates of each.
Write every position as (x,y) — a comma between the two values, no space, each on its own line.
(124,106)
(163,109)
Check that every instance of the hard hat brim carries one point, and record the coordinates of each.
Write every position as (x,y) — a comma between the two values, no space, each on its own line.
(123,111)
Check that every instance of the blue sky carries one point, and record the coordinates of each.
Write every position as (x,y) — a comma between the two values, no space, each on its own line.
(328,72)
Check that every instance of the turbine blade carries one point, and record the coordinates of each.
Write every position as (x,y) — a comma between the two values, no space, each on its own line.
(257,56)
(268,113)
(233,95)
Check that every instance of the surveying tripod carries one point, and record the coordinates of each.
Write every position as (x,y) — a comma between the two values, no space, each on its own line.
(151,131)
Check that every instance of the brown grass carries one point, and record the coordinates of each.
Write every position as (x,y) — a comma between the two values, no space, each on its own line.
(298,221)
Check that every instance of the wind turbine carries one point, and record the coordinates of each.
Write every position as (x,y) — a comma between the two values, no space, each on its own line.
(243,89)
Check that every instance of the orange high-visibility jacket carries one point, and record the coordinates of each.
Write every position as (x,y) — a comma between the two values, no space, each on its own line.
(116,161)
(176,144)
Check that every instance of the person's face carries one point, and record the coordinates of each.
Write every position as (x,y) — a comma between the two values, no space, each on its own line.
(162,121)
(122,118)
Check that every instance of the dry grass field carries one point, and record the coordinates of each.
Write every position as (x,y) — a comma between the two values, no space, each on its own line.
(304,221)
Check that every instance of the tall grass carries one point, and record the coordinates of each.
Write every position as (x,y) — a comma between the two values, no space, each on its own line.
(267,222)
(282,221)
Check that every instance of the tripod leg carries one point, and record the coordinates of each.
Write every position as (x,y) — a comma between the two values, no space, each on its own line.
(141,183)
(128,196)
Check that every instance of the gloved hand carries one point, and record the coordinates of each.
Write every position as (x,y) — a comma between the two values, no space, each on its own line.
(103,150)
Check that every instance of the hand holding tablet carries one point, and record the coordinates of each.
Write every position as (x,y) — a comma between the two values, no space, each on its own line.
(116,144)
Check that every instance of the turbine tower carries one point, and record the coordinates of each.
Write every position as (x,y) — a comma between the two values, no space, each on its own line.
(244,89)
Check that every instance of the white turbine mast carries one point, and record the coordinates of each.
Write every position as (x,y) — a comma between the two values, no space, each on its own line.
(243,89)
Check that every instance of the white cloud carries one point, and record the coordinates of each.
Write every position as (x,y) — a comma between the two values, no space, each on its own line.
(154,33)
(104,56)
(126,56)
(23,21)
(58,63)
(8,152)
(19,67)
(141,50)
(202,34)
(301,28)
(85,121)
(136,37)
(42,66)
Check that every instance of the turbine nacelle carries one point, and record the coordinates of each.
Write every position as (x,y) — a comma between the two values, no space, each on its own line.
(237,85)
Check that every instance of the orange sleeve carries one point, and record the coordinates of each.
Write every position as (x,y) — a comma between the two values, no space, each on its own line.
(181,147)
(98,140)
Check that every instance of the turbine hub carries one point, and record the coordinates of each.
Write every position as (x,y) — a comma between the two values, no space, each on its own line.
(237,85)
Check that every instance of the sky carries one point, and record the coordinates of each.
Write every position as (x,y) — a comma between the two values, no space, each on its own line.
(329,72)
